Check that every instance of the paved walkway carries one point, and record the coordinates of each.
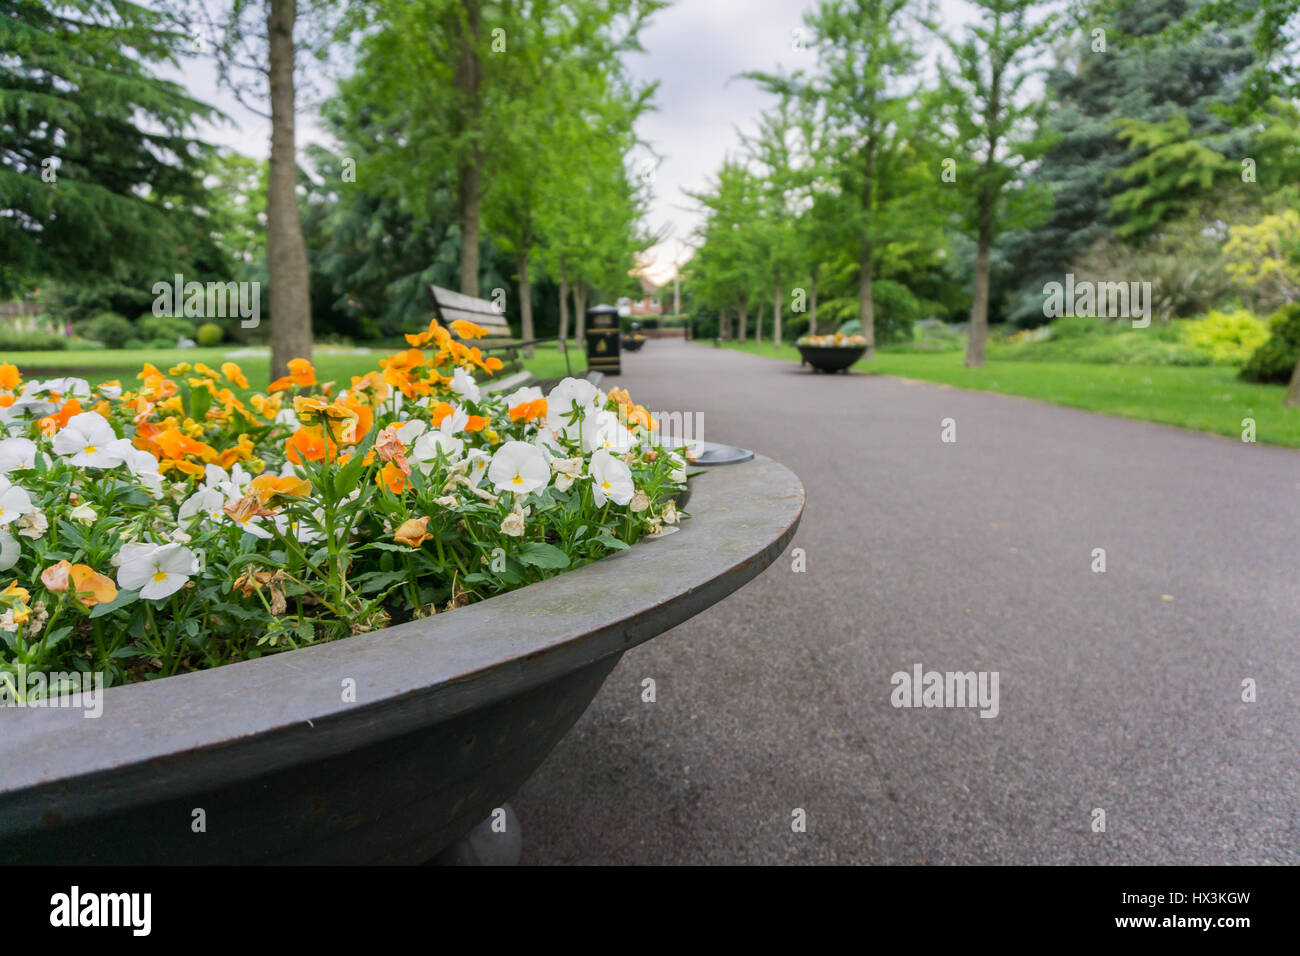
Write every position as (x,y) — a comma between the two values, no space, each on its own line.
(1119,691)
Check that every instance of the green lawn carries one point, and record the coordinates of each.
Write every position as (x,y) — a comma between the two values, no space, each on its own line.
(333,363)
(1205,398)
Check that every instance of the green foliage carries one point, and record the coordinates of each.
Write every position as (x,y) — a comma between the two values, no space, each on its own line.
(896,309)
(1228,338)
(15,341)
(110,330)
(209,335)
(100,178)
(1276,359)
(1097,341)
(1089,92)
(1174,169)
(164,328)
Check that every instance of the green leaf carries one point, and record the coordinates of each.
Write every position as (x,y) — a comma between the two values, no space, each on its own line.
(612,542)
(122,600)
(541,555)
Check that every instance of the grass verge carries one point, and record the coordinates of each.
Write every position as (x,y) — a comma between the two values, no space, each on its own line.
(1202,398)
(333,363)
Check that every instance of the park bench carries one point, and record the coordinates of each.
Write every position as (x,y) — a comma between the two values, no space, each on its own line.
(449,306)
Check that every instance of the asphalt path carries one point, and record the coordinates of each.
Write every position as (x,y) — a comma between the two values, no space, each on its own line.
(1119,691)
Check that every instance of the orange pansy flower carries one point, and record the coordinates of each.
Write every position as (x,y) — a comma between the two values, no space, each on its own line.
(301,374)
(310,444)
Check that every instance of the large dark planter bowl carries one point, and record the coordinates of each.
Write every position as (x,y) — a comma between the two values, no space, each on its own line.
(451,714)
(632,345)
(830,358)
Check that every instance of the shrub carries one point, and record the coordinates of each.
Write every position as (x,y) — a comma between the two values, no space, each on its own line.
(11,341)
(110,329)
(1275,359)
(210,334)
(165,328)
(1228,338)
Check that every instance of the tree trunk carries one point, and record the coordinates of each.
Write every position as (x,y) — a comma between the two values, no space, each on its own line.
(742,313)
(812,306)
(286,254)
(525,305)
(580,310)
(1292,396)
(758,324)
(467,77)
(979,306)
(564,304)
(866,301)
(776,317)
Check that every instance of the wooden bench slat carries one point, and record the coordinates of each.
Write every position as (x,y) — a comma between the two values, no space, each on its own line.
(447,299)
(450,306)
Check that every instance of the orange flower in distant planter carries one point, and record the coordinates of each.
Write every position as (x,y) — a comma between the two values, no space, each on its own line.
(414,532)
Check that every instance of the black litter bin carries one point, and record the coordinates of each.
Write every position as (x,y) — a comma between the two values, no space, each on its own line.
(603,340)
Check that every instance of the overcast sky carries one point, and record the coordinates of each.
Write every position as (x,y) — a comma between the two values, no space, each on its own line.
(695,49)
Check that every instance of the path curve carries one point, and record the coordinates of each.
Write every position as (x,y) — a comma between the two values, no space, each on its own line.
(1118,691)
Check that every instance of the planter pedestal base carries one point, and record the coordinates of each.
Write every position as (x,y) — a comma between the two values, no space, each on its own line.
(494,842)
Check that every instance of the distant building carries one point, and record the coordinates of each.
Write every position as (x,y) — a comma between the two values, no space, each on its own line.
(648,306)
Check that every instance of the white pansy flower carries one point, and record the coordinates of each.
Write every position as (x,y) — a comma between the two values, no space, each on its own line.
(68,387)
(10,549)
(24,404)
(519,467)
(476,462)
(16,454)
(609,433)
(14,502)
(205,501)
(88,440)
(522,396)
(571,397)
(287,525)
(142,465)
(410,431)
(157,571)
(610,479)
(463,384)
(83,513)
(443,438)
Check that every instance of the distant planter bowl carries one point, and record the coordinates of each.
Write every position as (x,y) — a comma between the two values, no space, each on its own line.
(831,358)
(633,343)
(445,719)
